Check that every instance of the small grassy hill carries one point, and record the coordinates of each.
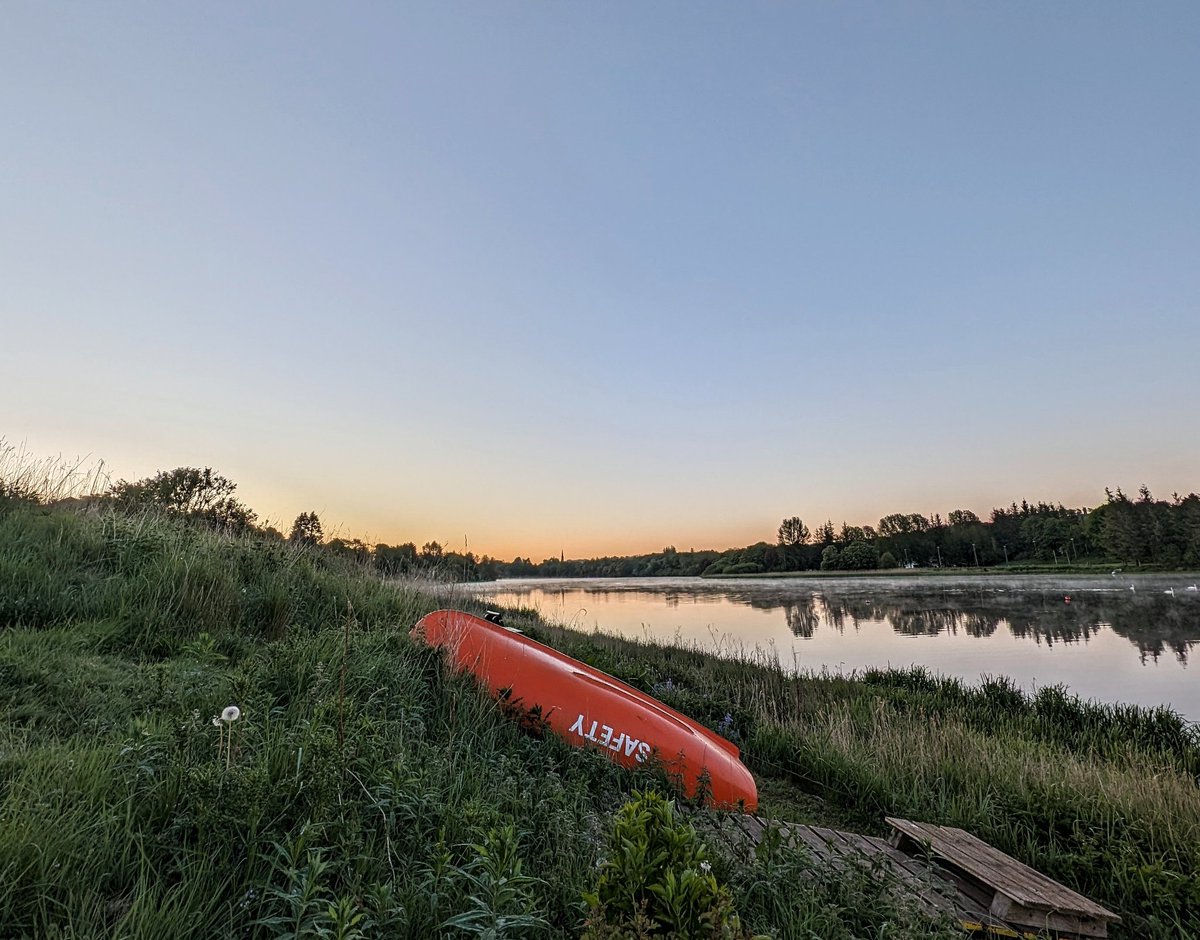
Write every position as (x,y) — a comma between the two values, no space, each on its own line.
(364,792)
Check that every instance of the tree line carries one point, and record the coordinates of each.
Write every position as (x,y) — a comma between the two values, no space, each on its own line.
(1136,531)
(1142,531)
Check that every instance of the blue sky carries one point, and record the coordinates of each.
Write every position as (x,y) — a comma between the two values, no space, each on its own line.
(602,278)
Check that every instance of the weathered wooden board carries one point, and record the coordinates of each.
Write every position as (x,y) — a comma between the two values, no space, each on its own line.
(1014,879)
(1019,894)
(939,884)
(907,877)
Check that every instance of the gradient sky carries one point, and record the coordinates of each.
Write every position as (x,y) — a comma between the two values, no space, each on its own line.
(598,278)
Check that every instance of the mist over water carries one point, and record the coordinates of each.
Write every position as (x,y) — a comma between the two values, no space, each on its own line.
(1111,638)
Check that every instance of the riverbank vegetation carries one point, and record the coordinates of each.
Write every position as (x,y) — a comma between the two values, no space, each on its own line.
(360,790)
(206,733)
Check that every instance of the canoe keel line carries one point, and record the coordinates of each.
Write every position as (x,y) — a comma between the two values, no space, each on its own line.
(589,708)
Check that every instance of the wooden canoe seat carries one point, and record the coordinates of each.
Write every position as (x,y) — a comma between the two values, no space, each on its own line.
(1018,893)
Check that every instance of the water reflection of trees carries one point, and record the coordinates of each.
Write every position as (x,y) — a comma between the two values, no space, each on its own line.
(802,616)
(1153,623)
(1163,625)
(1154,627)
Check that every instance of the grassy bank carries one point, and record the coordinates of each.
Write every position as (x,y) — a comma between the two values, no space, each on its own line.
(1104,798)
(362,791)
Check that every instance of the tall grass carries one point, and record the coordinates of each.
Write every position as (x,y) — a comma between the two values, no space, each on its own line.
(362,792)
(28,478)
(1105,798)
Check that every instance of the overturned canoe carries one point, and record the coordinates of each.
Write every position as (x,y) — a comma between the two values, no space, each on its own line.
(589,708)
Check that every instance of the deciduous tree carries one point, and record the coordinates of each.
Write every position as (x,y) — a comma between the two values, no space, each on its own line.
(793,532)
(189,492)
(306,530)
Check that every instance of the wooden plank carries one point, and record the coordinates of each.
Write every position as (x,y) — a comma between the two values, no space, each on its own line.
(977,904)
(845,840)
(1020,877)
(932,894)
(841,847)
(942,889)
(974,902)
(841,843)
(752,826)
(922,885)
(981,891)
(971,892)
(935,891)
(753,829)
(899,864)
(1045,919)
(918,868)
(943,845)
(1017,881)
(1002,872)
(936,887)
(803,836)
(834,847)
(808,838)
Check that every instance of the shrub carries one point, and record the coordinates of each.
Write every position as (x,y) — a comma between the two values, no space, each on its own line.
(658,881)
(188,492)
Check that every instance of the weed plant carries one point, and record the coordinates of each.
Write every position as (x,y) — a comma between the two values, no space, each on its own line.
(657,880)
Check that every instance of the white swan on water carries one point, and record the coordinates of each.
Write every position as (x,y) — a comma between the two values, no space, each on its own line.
(1192,587)
(1170,591)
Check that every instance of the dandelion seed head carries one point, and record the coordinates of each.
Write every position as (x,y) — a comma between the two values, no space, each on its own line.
(216,721)
(232,713)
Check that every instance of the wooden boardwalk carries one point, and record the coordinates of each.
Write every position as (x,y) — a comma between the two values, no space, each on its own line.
(944,872)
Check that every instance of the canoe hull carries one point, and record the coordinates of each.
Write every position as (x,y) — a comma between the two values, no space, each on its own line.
(589,708)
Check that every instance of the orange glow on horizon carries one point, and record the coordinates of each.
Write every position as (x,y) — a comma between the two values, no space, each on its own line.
(382,502)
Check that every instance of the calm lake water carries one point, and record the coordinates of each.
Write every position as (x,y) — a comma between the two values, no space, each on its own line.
(1112,638)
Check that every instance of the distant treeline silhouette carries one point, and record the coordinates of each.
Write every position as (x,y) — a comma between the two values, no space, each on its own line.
(1122,531)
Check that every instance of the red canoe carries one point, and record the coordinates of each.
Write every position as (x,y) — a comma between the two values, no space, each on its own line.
(589,708)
